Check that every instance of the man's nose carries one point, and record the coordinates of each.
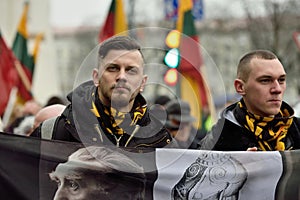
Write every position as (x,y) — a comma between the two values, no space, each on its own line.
(276,87)
(122,75)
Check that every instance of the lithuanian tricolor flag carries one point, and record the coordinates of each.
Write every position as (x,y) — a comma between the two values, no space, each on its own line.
(24,62)
(192,84)
(115,22)
(20,45)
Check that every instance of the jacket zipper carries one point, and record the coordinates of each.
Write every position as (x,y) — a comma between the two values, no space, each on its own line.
(118,140)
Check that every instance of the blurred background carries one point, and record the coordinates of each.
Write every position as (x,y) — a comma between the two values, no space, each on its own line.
(224,29)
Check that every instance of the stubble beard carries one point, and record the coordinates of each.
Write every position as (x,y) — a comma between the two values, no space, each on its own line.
(119,100)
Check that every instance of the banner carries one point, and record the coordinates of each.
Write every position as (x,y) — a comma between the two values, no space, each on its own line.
(31,168)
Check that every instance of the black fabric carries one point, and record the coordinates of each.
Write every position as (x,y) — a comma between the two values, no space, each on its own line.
(25,164)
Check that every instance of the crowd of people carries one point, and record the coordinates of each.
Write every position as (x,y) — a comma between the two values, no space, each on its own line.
(25,118)
(116,112)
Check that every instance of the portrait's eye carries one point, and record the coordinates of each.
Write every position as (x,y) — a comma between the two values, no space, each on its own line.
(73,185)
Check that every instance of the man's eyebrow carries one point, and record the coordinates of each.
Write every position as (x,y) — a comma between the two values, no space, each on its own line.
(264,76)
(270,76)
(110,64)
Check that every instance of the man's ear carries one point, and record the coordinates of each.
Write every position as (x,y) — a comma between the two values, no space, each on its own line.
(145,78)
(95,77)
(239,86)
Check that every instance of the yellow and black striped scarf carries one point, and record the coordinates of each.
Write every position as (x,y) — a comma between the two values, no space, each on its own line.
(269,131)
(113,120)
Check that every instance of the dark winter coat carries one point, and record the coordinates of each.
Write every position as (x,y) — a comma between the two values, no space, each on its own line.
(228,135)
(78,124)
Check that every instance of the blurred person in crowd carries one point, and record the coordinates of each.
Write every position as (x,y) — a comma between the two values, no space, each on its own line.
(261,120)
(21,125)
(158,108)
(48,112)
(162,100)
(206,122)
(180,124)
(31,107)
(111,109)
(22,118)
(99,173)
(55,100)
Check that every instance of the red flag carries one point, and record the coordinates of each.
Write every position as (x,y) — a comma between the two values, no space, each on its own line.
(115,22)
(9,76)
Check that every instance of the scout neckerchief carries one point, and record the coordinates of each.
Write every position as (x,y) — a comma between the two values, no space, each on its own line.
(270,131)
(113,120)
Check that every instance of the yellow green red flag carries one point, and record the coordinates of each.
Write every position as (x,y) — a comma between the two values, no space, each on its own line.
(115,22)
(191,62)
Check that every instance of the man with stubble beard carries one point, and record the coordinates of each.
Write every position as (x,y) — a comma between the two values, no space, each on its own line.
(110,109)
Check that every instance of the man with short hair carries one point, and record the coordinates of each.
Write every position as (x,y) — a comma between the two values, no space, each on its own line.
(261,120)
(110,109)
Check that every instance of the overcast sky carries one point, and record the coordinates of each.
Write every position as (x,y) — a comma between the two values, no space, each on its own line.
(77,12)
(93,12)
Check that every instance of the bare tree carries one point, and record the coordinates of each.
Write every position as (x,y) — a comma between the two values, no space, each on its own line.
(273,29)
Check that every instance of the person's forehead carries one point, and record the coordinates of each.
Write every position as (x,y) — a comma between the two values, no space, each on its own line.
(64,170)
(114,55)
(260,67)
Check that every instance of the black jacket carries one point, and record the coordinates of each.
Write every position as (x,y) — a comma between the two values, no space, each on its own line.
(228,135)
(78,124)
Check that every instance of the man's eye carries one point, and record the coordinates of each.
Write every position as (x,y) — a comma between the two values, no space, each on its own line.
(281,80)
(132,71)
(112,68)
(265,81)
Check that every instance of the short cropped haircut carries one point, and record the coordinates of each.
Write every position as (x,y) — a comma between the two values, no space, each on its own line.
(118,43)
(243,69)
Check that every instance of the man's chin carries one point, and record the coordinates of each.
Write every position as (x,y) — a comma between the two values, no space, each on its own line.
(119,100)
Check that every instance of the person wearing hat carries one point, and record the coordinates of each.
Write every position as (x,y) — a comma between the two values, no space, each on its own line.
(180,124)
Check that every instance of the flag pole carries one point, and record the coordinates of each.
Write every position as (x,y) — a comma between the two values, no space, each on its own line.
(23,75)
(1,125)
(10,105)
